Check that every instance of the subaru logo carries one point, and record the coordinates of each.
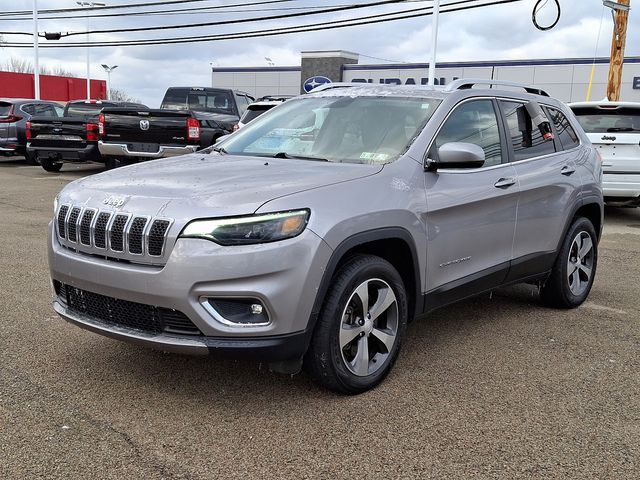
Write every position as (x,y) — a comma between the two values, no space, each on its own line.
(313,82)
(144,124)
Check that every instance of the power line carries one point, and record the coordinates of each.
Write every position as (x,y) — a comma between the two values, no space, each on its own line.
(242,20)
(177,11)
(367,20)
(136,5)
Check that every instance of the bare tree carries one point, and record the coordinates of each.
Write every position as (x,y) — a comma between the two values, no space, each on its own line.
(121,96)
(22,65)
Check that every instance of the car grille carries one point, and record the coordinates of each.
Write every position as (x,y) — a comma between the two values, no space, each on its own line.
(123,313)
(122,236)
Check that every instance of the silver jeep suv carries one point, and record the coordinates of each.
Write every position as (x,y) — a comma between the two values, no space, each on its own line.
(320,229)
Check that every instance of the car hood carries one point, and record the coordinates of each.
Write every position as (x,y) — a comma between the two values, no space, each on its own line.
(206,185)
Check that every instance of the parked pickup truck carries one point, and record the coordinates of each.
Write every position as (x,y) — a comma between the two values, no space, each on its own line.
(70,138)
(189,119)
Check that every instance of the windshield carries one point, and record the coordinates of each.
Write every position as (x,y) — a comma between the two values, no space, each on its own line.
(337,129)
(200,100)
(597,120)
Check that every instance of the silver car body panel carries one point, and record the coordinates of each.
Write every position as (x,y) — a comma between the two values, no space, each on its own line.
(458,224)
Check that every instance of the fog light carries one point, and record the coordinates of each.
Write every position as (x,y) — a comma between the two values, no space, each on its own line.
(256,309)
(237,312)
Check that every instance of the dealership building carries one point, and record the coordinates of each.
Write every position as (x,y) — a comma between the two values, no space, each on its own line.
(566,79)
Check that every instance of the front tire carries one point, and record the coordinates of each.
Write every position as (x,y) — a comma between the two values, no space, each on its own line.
(49,165)
(361,326)
(575,267)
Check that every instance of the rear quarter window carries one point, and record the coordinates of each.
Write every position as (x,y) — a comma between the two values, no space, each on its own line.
(566,133)
(5,108)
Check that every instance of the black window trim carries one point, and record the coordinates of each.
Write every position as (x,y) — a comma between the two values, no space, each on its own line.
(501,132)
(556,143)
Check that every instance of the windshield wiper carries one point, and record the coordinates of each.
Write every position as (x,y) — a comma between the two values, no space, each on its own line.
(623,129)
(298,157)
(219,150)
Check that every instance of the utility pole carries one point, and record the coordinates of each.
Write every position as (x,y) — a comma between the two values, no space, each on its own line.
(89,5)
(36,60)
(620,12)
(434,41)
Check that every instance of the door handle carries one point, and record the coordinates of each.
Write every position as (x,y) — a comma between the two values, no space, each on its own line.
(505,182)
(567,170)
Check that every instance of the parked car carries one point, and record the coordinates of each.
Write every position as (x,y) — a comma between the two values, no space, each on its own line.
(614,129)
(14,115)
(73,137)
(319,231)
(258,107)
(188,120)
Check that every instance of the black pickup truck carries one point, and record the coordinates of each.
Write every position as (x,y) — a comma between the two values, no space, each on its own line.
(72,137)
(189,119)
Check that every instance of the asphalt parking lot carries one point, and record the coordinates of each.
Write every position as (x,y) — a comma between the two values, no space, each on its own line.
(494,387)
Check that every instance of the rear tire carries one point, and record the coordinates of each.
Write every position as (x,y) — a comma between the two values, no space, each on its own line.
(50,166)
(575,267)
(361,326)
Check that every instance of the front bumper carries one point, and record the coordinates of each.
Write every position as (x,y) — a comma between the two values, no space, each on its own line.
(284,276)
(122,150)
(89,153)
(273,348)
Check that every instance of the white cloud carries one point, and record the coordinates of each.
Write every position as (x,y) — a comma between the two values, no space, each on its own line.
(492,33)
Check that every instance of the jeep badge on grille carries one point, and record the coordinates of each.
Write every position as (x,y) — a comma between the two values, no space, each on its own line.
(114,201)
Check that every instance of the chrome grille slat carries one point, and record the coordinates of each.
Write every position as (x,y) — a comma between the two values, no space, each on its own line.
(85,226)
(62,219)
(156,237)
(113,235)
(117,232)
(135,235)
(100,230)
(72,224)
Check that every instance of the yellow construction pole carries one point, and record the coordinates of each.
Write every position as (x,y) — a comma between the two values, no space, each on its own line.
(620,17)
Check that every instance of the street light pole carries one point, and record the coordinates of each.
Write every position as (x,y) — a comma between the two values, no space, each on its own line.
(434,42)
(89,5)
(36,61)
(109,69)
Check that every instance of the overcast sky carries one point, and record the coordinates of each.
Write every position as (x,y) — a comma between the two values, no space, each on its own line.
(490,33)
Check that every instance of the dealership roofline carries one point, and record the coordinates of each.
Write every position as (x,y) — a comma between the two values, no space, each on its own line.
(410,66)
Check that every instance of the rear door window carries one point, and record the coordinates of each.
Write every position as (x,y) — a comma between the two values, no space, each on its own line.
(525,138)
(474,122)
(29,109)
(566,133)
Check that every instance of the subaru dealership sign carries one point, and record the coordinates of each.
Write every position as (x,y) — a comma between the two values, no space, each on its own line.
(313,82)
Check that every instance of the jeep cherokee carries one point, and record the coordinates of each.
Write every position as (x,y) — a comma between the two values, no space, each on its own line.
(314,234)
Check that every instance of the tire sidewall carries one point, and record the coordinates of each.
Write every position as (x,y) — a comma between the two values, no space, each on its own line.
(580,225)
(381,269)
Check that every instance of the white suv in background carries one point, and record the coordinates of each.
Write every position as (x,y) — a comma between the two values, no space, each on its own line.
(614,129)
(257,108)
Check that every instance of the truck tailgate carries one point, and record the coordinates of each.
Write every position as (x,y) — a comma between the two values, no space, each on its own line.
(64,132)
(145,130)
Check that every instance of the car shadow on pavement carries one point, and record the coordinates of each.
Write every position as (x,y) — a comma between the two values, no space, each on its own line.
(209,378)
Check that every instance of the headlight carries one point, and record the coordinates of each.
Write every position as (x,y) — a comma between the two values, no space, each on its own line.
(55,203)
(269,227)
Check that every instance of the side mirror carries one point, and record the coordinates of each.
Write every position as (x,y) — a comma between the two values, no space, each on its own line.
(458,155)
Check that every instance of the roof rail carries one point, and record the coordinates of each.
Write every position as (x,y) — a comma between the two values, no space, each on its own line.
(328,86)
(467,83)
